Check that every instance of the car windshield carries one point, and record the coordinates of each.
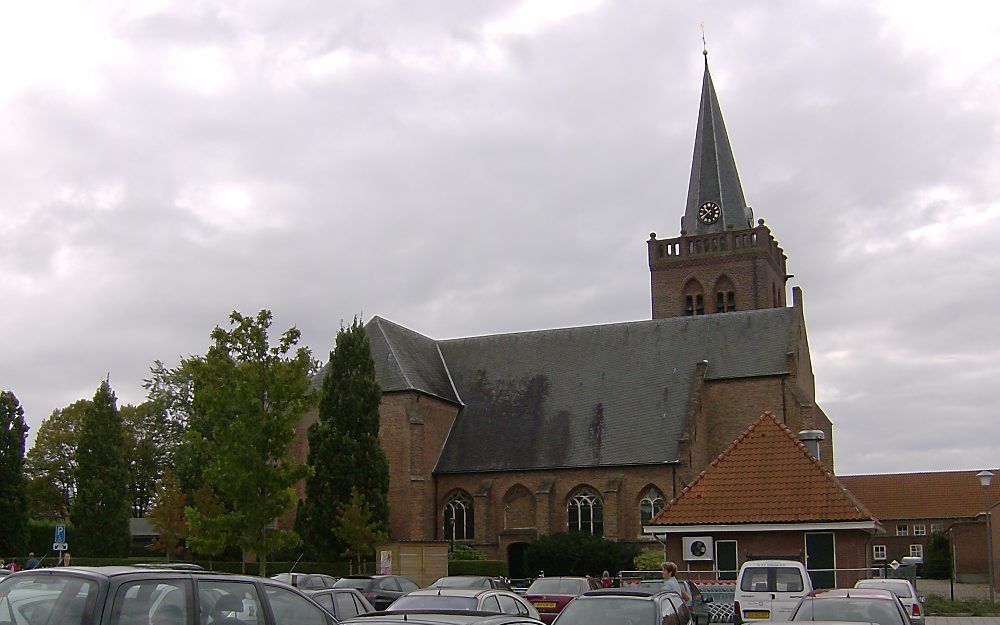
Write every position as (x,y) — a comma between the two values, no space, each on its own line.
(648,585)
(771,579)
(41,599)
(458,581)
(881,611)
(609,611)
(361,583)
(432,602)
(554,586)
(902,589)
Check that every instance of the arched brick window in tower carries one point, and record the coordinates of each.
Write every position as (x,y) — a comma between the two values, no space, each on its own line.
(725,295)
(694,298)
(459,517)
(650,505)
(585,511)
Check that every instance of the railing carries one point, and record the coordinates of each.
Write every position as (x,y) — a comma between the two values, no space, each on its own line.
(718,243)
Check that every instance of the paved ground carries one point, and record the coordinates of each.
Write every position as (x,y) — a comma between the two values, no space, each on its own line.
(941,588)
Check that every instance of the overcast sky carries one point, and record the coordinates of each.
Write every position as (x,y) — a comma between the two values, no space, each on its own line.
(472,167)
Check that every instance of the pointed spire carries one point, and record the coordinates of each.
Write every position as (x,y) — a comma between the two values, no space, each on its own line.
(714,179)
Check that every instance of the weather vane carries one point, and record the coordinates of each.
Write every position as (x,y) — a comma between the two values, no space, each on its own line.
(704,44)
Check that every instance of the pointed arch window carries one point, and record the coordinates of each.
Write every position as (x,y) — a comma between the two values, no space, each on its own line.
(725,301)
(650,504)
(694,300)
(585,512)
(459,517)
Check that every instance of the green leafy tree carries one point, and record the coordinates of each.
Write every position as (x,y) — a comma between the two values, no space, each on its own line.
(51,462)
(171,391)
(13,484)
(167,517)
(937,561)
(101,509)
(464,553)
(152,439)
(578,553)
(356,528)
(248,396)
(207,534)
(344,450)
(648,560)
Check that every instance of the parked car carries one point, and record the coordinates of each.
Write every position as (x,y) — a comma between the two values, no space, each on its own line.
(471,581)
(551,594)
(473,599)
(380,590)
(343,603)
(769,590)
(128,595)
(871,605)
(618,606)
(444,617)
(697,604)
(907,593)
(519,585)
(307,581)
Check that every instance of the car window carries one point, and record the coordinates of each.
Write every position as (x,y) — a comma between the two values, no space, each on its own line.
(490,604)
(152,602)
(406,584)
(229,603)
(326,600)
(389,583)
(878,611)
(328,581)
(63,599)
(433,602)
(509,605)
(292,608)
(609,609)
(771,579)
(360,583)
(557,586)
(347,607)
(902,590)
(683,614)
(668,614)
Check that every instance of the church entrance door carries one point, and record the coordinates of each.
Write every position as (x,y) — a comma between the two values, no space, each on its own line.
(515,560)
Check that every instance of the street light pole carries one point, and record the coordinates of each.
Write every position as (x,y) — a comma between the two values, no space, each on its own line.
(985,477)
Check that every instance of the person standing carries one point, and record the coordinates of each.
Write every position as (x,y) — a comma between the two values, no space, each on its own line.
(32,561)
(65,559)
(606,581)
(670,583)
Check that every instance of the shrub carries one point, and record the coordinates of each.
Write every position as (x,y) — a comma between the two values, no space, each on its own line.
(577,553)
(489,568)
(464,552)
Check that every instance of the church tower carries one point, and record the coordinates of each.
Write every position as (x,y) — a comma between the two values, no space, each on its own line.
(722,261)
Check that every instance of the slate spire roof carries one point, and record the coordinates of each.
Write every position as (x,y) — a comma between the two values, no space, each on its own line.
(765,476)
(713,170)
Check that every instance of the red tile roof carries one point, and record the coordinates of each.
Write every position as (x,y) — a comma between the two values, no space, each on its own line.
(938,495)
(765,476)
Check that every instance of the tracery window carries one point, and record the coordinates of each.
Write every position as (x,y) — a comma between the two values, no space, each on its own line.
(650,505)
(585,511)
(459,517)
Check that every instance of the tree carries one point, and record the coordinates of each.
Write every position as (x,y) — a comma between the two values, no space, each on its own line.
(356,529)
(206,534)
(937,562)
(167,517)
(13,485)
(51,462)
(152,439)
(344,450)
(101,509)
(578,553)
(248,397)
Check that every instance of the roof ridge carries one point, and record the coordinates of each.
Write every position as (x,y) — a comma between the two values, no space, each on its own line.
(392,348)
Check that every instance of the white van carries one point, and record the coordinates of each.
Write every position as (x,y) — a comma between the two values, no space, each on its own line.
(769,590)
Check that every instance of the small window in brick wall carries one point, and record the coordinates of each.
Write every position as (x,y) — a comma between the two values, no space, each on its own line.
(651,504)
(878,552)
(919,530)
(459,520)
(916,551)
(694,305)
(937,528)
(725,301)
(902,530)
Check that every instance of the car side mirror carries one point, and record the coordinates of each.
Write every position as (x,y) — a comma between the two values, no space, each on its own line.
(922,599)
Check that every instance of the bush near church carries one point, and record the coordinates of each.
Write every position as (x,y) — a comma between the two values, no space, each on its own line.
(577,553)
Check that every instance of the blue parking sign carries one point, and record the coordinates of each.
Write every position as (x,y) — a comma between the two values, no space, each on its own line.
(60,535)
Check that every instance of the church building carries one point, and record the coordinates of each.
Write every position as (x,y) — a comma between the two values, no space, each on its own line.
(495,440)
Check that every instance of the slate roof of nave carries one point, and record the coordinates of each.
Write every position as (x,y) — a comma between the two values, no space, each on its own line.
(605,395)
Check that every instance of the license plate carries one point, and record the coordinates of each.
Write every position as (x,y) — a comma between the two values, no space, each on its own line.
(756,614)
(545,604)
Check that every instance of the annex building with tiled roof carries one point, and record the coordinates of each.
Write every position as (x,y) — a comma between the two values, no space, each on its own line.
(767,495)
(495,440)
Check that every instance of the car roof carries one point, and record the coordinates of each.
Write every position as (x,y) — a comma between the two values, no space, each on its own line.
(793,563)
(108,572)
(453,592)
(860,593)
(436,616)
(618,592)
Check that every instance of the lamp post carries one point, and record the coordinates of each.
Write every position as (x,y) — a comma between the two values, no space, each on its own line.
(985,477)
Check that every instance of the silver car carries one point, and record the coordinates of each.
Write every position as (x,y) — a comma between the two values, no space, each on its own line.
(907,594)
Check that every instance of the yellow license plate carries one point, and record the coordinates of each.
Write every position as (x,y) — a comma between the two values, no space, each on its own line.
(545,604)
(756,614)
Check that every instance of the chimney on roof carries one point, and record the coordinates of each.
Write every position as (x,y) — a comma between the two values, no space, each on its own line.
(811,439)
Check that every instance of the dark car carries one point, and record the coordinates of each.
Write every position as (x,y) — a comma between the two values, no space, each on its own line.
(471,599)
(616,606)
(471,581)
(306,581)
(380,590)
(137,596)
(852,605)
(441,617)
(550,595)
(343,603)
(697,604)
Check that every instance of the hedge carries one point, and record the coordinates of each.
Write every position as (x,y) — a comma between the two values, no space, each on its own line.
(491,568)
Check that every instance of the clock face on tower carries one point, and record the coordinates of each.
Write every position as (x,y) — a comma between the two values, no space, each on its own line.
(709,213)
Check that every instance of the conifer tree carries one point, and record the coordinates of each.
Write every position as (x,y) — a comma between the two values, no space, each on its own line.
(101,510)
(13,484)
(344,450)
